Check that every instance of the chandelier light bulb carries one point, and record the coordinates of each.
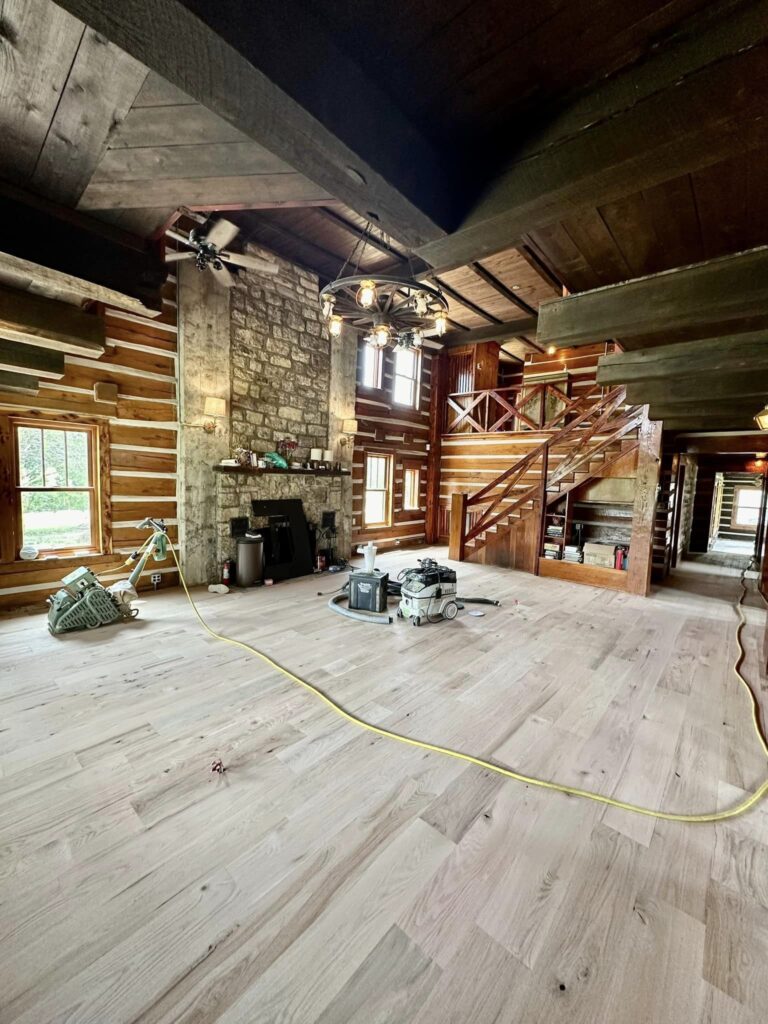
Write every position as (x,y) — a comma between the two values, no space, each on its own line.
(441,324)
(366,294)
(335,323)
(379,336)
(417,339)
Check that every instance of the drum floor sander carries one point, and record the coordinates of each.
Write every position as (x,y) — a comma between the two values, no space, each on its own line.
(426,593)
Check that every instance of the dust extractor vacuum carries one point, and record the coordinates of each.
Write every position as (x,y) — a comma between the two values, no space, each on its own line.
(84,603)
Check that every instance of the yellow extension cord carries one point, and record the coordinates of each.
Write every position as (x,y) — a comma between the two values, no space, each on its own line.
(529,780)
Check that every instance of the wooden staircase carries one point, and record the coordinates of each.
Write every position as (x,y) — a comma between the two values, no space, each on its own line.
(602,431)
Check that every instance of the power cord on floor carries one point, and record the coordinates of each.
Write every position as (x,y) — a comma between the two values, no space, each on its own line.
(529,780)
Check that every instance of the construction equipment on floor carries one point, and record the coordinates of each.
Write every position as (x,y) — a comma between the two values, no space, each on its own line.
(84,603)
(428,594)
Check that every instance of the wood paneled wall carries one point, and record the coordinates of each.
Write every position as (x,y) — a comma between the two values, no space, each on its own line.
(138,439)
(580,362)
(398,431)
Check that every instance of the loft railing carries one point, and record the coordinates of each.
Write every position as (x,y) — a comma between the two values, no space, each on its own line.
(520,407)
(595,426)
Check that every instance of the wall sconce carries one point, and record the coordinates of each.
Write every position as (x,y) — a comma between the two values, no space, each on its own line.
(761,419)
(215,408)
(348,431)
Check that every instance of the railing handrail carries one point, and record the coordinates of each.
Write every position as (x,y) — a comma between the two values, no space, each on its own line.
(605,408)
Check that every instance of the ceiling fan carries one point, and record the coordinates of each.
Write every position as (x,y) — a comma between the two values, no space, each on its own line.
(209,249)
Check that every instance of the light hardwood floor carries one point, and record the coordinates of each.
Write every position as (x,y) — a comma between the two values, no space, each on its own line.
(332,877)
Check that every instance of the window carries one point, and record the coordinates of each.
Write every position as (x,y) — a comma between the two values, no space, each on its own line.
(746,507)
(411,487)
(372,360)
(377,500)
(56,497)
(406,390)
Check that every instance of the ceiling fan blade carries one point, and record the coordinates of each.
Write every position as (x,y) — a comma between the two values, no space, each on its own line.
(223,276)
(221,233)
(249,262)
(178,237)
(174,257)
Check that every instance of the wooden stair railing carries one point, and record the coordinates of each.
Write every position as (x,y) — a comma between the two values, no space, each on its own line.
(595,434)
(490,411)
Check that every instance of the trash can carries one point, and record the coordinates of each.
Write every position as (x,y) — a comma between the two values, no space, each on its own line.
(250,560)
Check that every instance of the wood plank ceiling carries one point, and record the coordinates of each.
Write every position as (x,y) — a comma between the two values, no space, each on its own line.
(483,84)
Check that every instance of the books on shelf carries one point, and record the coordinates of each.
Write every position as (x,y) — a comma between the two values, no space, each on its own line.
(572,553)
(552,551)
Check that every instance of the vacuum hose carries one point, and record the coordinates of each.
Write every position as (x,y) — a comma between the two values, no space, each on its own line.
(352,613)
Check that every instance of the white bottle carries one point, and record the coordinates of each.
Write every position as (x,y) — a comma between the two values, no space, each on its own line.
(369,553)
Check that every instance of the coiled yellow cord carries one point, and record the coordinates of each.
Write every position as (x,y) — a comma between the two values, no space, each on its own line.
(529,780)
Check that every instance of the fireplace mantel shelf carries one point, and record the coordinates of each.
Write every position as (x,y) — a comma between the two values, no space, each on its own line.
(255,471)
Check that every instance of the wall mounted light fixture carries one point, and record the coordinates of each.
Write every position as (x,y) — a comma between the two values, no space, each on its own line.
(215,408)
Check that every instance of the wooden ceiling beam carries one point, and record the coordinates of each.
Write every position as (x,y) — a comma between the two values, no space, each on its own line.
(730,288)
(19,357)
(744,442)
(47,323)
(703,423)
(248,63)
(689,104)
(356,232)
(63,252)
(485,275)
(687,360)
(18,383)
(743,408)
(500,332)
(465,302)
(701,388)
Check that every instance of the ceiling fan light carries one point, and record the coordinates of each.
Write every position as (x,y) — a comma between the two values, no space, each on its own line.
(761,419)
(335,324)
(366,294)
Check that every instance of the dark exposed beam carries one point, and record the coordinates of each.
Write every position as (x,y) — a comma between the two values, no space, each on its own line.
(264,68)
(537,264)
(47,323)
(735,409)
(250,191)
(17,357)
(689,359)
(467,303)
(730,288)
(502,289)
(502,332)
(691,103)
(747,384)
(67,253)
(700,423)
(18,383)
(746,443)
(356,232)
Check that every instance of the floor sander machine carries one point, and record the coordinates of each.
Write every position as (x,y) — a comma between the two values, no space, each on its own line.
(84,603)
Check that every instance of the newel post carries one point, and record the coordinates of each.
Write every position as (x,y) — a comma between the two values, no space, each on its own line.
(458,527)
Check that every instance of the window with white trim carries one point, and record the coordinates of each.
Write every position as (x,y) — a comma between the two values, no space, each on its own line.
(377,496)
(746,507)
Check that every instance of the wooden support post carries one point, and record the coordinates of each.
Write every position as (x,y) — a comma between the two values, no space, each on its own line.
(541,532)
(644,512)
(458,527)
(436,424)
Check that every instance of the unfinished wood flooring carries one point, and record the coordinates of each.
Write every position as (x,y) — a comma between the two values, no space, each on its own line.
(333,877)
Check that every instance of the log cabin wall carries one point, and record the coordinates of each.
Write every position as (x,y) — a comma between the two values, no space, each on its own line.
(384,427)
(580,364)
(137,448)
(725,527)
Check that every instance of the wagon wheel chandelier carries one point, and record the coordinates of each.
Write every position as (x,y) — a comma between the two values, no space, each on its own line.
(392,310)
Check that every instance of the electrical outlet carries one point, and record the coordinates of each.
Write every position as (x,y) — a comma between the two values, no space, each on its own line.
(155,578)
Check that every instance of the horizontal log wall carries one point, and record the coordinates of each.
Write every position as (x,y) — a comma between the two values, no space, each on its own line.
(138,436)
(725,528)
(403,433)
(580,362)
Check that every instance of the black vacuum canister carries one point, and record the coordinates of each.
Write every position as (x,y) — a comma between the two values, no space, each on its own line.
(368,590)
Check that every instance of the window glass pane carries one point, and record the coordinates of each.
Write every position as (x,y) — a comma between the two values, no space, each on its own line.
(403,392)
(77,458)
(411,489)
(30,456)
(376,475)
(405,362)
(55,458)
(56,520)
(375,507)
(371,358)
